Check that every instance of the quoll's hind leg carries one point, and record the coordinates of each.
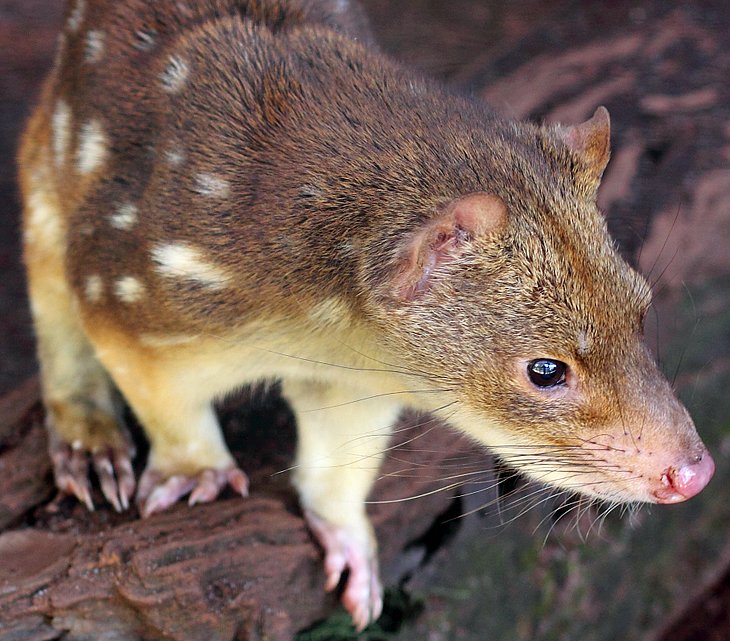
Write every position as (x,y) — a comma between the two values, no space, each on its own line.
(82,420)
(81,413)
(341,444)
(187,451)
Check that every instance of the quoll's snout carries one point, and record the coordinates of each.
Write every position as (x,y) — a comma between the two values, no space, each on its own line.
(636,441)
(686,480)
(672,457)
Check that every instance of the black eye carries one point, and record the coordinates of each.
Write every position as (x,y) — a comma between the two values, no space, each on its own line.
(545,372)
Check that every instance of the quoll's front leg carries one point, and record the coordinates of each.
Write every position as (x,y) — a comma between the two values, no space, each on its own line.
(350,548)
(192,459)
(341,442)
(187,455)
(167,392)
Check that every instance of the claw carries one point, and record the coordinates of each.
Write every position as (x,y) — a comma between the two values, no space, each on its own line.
(163,496)
(105,471)
(116,477)
(238,480)
(71,470)
(362,594)
(207,488)
(125,478)
(77,487)
(156,493)
(112,465)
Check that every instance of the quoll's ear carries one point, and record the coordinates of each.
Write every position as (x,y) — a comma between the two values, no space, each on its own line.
(444,238)
(590,142)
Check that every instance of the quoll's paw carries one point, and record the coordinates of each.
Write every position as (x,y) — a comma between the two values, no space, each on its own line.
(362,595)
(157,491)
(112,464)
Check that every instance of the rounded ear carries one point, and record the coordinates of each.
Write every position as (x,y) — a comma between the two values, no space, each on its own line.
(444,238)
(590,143)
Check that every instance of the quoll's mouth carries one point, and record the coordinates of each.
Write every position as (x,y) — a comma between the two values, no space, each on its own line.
(681,483)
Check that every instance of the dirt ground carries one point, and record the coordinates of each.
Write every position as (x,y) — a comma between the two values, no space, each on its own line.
(661,69)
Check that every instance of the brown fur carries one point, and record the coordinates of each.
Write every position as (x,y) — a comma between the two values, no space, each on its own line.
(288,186)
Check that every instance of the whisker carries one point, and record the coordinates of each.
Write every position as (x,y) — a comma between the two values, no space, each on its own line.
(656,334)
(430,420)
(374,396)
(451,486)
(314,361)
(663,247)
(534,504)
(461,475)
(626,427)
(572,505)
(399,368)
(402,369)
(688,340)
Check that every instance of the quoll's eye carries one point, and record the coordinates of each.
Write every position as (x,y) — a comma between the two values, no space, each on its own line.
(545,372)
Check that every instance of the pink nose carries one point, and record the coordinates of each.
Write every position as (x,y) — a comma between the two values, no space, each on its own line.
(682,483)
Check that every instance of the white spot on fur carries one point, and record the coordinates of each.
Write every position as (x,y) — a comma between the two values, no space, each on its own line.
(94,46)
(174,155)
(76,16)
(584,343)
(125,217)
(330,311)
(181,260)
(44,223)
(129,289)
(93,288)
(155,340)
(213,186)
(144,40)
(175,74)
(92,147)
(61,126)
(310,191)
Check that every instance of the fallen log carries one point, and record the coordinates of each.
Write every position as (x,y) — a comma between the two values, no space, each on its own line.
(243,569)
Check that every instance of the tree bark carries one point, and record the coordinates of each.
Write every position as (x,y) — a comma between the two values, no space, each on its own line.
(243,569)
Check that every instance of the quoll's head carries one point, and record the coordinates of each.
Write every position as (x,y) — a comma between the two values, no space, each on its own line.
(518,303)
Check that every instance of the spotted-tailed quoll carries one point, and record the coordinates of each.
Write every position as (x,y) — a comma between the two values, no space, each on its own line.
(220,191)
